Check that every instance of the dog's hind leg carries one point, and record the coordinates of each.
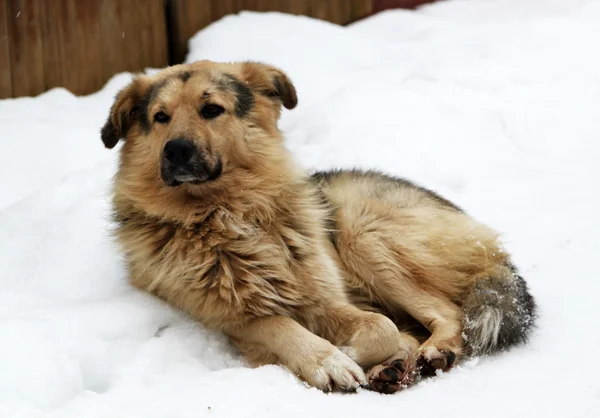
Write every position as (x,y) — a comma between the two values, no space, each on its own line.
(390,259)
(443,319)
(439,315)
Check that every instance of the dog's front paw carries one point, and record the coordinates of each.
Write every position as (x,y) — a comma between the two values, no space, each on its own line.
(335,371)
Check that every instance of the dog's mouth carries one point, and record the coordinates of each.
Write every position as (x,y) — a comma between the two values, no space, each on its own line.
(187,178)
(194,174)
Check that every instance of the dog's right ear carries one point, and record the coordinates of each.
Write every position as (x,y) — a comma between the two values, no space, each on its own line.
(123,111)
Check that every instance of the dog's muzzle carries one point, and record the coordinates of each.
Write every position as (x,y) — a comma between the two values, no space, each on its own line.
(182,162)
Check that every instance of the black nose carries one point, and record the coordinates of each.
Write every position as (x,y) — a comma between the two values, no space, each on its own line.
(179,151)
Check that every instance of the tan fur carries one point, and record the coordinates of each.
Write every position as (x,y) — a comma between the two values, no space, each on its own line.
(307,273)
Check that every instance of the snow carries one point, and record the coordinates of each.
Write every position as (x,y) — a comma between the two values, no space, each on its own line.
(492,103)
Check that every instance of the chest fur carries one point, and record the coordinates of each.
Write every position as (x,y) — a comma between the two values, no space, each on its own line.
(225,270)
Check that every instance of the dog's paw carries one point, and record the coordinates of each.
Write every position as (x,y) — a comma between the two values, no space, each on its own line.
(392,376)
(432,359)
(336,371)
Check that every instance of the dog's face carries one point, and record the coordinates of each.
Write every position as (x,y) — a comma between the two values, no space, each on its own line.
(191,126)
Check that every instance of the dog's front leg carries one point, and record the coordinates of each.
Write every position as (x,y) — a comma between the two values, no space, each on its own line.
(315,360)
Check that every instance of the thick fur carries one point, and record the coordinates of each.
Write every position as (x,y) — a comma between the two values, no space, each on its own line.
(317,273)
(432,241)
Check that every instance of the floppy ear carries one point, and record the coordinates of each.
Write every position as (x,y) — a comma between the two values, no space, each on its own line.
(122,113)
(271,82)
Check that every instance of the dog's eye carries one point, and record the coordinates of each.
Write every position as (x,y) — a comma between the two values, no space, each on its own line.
(211,111)
(161,117)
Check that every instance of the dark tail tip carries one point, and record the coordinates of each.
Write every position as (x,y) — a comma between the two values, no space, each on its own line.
(500,312)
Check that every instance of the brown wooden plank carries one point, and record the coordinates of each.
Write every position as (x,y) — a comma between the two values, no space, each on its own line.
(25,47)
(186,17)
(115,54)
(220,8)
(155,36)
(297,7)
(319,9)
(53,27)
(340,11)
(379,5)
(81,44)
(84,48)
(133,36)
(5,81)
(128,36)
(266,6)
(360,9)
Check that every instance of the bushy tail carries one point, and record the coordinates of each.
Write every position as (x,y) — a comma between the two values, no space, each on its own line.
(499,312)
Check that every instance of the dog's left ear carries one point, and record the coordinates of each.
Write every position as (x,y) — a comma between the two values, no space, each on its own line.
(271,82)
(122,113)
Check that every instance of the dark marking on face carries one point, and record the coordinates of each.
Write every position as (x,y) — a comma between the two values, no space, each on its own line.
(141,111)
(185,76)
(244,98)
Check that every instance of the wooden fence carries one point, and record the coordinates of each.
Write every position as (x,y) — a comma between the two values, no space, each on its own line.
(80,44)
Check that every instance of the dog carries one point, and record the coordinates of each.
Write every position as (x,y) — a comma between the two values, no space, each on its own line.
(348,278)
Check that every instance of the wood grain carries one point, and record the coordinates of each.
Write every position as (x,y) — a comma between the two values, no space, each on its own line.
(360,9)
(81,44)
(24,19)
(379,5)
(186,17)
(5,81)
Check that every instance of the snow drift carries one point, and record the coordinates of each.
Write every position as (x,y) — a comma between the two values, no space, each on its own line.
(493,104)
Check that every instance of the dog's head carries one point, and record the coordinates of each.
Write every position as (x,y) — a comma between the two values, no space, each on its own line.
(191,126)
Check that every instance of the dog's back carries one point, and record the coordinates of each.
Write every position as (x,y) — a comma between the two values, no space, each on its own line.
(398,240)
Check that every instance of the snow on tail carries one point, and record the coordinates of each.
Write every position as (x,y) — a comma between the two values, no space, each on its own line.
(499,313)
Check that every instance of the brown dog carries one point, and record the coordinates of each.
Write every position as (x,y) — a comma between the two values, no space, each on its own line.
(314,273)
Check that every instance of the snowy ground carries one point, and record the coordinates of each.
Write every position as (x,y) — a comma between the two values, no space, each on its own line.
(495,104)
